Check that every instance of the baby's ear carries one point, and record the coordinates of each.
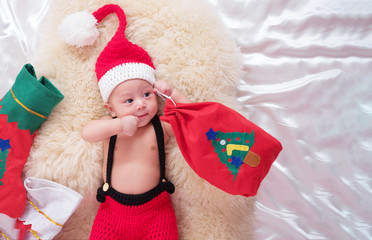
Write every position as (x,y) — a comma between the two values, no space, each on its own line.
(109,108)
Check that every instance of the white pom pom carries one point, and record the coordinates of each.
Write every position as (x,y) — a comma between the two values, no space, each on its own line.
(79,29)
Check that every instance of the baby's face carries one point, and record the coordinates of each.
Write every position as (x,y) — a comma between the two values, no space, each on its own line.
(134,97)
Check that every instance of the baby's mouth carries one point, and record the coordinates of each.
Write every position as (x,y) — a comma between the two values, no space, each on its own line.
(142,116)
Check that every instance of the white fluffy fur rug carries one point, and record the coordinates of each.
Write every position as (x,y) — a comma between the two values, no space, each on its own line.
(192,50)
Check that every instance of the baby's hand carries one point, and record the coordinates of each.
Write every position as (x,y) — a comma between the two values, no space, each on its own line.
(130,124)
(163,87)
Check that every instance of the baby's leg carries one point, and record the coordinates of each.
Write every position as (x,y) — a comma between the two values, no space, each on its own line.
(105,224)
(164,225)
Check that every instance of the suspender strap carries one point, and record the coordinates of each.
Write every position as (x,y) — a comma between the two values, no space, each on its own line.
(164,185)
(110,158)
(160,140)
(102,191)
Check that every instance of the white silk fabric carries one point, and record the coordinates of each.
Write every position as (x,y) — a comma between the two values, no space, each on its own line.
(307,81)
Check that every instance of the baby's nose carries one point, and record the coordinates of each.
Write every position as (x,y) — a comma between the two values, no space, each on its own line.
(141,104)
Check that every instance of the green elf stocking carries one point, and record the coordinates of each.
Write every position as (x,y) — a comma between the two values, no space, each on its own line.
(22,111)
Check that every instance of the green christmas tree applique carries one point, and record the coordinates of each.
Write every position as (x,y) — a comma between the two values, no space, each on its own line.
(234,149)
(4,150)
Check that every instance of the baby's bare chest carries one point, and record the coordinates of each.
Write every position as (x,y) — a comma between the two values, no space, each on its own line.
(141,148)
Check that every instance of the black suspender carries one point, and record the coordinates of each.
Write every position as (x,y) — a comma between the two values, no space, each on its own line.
(160,140)
(110,158)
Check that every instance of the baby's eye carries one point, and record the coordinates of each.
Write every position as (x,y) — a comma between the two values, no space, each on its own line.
(128,101)
(146,94)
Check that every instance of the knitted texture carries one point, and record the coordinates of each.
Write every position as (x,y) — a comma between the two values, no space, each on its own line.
(120,60)
(123,72)
(153,220)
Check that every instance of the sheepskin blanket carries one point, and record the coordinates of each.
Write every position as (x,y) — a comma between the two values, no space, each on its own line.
(192,50)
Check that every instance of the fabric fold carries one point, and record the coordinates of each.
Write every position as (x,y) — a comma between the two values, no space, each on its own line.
(30,101)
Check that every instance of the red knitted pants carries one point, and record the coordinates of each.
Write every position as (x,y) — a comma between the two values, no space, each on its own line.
(152,220)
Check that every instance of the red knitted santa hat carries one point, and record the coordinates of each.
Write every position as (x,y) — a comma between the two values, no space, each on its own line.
(120,60)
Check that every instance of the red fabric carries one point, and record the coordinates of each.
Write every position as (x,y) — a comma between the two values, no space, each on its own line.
(12,191)
(119,49)
(222,146)
(23,228)
(153,220)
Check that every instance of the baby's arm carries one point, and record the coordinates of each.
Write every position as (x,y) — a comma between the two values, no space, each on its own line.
(167,89)
(177,96)
(98,130)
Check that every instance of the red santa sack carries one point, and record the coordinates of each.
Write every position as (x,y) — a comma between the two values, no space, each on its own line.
(222,146)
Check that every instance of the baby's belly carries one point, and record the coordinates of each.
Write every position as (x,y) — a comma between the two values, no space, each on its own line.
(135,179)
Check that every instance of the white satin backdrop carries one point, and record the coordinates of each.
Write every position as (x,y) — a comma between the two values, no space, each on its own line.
(308,82)
(19,34)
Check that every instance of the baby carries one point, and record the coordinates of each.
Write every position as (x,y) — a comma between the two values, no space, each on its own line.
(132,105)
(135,201)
